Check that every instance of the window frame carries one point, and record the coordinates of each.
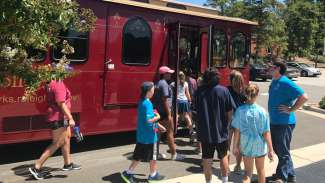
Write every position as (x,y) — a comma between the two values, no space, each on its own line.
(73,61)
(231,48)
(123,43)
(212,45)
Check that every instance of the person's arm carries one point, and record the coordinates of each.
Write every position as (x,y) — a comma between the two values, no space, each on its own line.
(267,137)
(187,93)
(300,101)
(66,112)
(167,109)
(155,118)
(229,116)
(235,148)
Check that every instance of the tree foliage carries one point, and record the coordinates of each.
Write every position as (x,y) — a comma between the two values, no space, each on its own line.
(292,27)
(34,25)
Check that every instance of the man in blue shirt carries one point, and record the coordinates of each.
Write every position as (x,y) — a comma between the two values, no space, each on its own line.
(214,110)
(285,97)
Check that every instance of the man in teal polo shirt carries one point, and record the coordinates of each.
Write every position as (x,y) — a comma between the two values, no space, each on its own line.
(285,97)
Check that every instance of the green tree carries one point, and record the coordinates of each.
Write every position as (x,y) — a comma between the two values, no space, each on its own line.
(302,25)
(268,13)
(35,24)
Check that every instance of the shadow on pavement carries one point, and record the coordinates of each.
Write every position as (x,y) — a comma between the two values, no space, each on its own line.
(13,152)
(314,172)
(23,171)
(116,177)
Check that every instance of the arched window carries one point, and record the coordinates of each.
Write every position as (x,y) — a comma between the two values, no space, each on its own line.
(78,40)
(219,48)
(238,50)
(136,42)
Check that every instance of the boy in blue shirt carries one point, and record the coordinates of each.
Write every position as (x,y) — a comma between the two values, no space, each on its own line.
(146,148)
(285,97)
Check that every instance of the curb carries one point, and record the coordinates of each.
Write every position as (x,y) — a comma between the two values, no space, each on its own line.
(309,107)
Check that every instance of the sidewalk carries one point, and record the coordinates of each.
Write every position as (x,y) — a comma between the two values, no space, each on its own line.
(303,158)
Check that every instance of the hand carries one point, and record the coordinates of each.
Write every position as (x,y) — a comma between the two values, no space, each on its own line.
(236,151)
(271,156)
(284,109)
(72,123)
(161,128)
(157,115)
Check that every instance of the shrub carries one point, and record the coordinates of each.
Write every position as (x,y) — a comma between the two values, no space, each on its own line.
(322,103)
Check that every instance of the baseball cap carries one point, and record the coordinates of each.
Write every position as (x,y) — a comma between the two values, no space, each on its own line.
(165,69)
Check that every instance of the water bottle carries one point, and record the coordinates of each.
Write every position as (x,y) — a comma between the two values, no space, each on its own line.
(77,134)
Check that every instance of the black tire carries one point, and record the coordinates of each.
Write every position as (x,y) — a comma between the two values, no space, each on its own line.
(304,74)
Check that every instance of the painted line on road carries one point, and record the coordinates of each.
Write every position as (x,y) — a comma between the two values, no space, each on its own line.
(316,114)
(301,157)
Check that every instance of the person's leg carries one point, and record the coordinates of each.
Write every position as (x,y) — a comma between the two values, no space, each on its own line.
(65,149)
(170,135)
(207,160)
(58,136)
(259,163)
(188,120)
(222,149)
(207,169)
(249,166)
(281,138)
(153,167)
(291,169)
(133,165)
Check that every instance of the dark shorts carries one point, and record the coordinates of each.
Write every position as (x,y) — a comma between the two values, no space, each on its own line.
(146,152)
(183,106)
(208,150)
(54,125)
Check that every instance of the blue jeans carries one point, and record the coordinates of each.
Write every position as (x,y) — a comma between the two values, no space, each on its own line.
(281,139)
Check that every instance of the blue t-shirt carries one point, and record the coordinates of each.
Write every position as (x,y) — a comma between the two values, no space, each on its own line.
(252,121)
(282,92)
(146,131)
(212,105)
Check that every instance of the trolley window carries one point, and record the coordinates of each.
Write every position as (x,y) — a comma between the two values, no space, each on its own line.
(219,49)
(78,40)
(238,50)
(136,42)
(35,55)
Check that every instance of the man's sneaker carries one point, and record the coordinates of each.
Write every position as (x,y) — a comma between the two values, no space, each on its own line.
(155,178)
(128,178)
(178,157)
(71,166)
(277,181)
(292,179)
(162,156)
(36,173)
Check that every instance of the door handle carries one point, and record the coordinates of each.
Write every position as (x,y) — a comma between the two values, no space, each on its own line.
(109,65)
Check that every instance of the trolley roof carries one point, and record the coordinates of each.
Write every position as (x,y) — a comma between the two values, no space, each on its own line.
(180,11)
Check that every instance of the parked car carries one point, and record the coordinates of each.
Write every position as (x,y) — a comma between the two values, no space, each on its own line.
(292,72)
(260,71)
(305,69)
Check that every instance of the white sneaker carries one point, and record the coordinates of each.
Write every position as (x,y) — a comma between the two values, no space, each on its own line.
(178,157)
(162,156)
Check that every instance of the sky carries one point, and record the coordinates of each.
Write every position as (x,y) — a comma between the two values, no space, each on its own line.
(198,2)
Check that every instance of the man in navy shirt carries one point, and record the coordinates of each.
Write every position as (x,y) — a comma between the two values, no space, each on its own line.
(163,103)
(285,97)
(214,109)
